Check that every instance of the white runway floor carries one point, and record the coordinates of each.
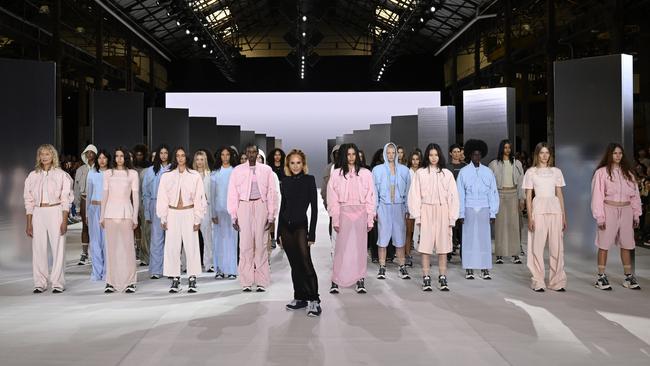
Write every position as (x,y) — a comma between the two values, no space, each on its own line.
(498,322)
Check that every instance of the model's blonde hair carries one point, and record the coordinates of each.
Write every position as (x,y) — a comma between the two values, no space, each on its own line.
(538,149)
(55,157)
(305,168)
(205,156)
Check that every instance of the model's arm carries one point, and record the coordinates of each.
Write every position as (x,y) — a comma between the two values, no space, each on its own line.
(200,203)
(333,206)
(162,201)
(146,192)
(598,199)
(135,196)
(313,204)
(28,197)
(452,200)
(414,199)
(102,211)
(461,195)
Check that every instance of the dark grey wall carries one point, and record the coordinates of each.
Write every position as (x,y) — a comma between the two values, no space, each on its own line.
(330,145)
(404,131)
(227,136)
(260,141)
(28,115)
(593,106)
(168,125)
(116,119)
(203,134)
(246,137)
(437,125)
(379,136)
(270,144)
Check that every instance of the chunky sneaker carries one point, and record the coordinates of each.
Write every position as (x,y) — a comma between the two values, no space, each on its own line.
(176,285)
(485,274)
(630,282)
(232,277)
(58,290)
(426,283)
(334,289)
(109,289)
(382,273)
(143,264)
(603,283)
(539,289)
(260,289)
(313,309)
(516,259)
(192,284)
(155,277)
(403,273)
(296,304)
(361,286)
(499,260)
(83,259)
(219,276)
(409,261)
(39,290)
(247,289)
(442,283)
(469,274)
(130,289)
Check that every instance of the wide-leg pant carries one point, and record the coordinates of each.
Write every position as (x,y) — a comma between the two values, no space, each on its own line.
(303,275)
(350,258)
(507,238)
(46,222)
(477,243)
(145,236)
(435,237)
(180,233)
(97,244)
(391,224)
(224,241)
(120,253)
(548,227)
(157,243)
(253,236)
(206,234)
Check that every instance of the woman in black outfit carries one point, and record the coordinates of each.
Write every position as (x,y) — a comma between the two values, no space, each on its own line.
(298,193)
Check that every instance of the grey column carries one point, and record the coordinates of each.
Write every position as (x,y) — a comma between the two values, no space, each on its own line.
(404,132)
(436,125)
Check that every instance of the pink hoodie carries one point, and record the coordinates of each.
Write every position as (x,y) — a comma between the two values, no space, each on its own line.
(433,188)
(351,190)
(239,188)
(617,189)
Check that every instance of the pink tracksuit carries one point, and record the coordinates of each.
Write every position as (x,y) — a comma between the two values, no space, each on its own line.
(618,219)
(547,215)
(433,203)
(47,196)
(119,212)
(185,188)
(351,203)
(252,207)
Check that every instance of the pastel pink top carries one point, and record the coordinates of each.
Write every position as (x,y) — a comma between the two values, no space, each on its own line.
(50,187)
(615,188)
(119,186)
(240,188)
(544,181)
(351,190)
(186,186)
(433,187)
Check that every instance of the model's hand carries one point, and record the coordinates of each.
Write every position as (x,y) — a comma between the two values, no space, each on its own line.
(461,221)
(369,228)
(164,226)
(29,230)
(135,225)
(101,223)
(269,224)
(215,220)
(492,220)
(564,225)
(64,227)
(235,225)
(196,227)
(602,226)
(522,205)
(336,228)
(531,224)
(636,223)
(310,243)
(376,218)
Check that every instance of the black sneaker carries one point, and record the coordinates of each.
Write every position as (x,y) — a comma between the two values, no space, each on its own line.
(631,282)
(516,259)
(219,276)
(155,277)
(143,264)
(130,289)
(603,283)
(176,285)
(247,289)
(403,273)
(211,269)
(334,289)
(442,283)
(382,273)
(109,289)
(426,283)
(296,304)
(499,260)
(448,257)
(232,277)
(485,274)
(58,290)
(469,274)
(38,290)
(83,259)
(361,286)
(313,309)
(539,289)
(192,284)
(409,261)
(260,289)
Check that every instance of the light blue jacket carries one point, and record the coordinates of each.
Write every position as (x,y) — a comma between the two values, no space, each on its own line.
(150,184)
(219,190)
(381,176)
(477,188)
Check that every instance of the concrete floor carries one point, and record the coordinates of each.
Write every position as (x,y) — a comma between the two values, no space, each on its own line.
(498,322)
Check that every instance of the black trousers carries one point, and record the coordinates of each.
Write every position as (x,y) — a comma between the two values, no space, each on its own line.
(303,275)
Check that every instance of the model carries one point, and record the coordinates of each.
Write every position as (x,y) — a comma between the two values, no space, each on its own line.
(224,236)
(201,166)
(88,156)
(415,161)
(456,163)
(95,192)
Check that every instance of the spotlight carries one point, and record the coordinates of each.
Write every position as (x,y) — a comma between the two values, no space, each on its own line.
(381,72)
(168,14)
(421,20)
(196,39)
(303,57)
(211,51)
(187,31)
(203,45)
(304,34)
(433,9)
(304,18)
(178,24)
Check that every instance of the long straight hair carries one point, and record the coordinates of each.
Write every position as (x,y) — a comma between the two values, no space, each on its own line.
(426,164)
(608,161)
(108,157)
(538,149)
(174,165)
(502,146)
(157,163)
(343,159)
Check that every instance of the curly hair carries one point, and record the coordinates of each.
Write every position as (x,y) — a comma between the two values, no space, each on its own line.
(476,145)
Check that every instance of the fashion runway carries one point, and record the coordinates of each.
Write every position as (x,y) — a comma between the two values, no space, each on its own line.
(497,322)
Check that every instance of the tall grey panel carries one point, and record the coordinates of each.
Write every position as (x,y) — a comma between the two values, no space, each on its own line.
(247,137)
(270,144)
(489,115)
(117,119)
(437,125)
(227,136)
(28,115)
(340,140)
(260,141)
(593,106)
(203,133)
(170,126)
(348,138)
(330,145)
(404,131)
(278,143)
(379,136)
(363,138)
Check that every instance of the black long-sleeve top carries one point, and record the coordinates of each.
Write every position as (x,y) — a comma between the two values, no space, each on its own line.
(298,193)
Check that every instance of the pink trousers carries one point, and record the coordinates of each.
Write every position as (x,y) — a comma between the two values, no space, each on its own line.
(180,232)
(619,228)
(547,227)
(120,253)
(253,255)
(46,222)
(351,251)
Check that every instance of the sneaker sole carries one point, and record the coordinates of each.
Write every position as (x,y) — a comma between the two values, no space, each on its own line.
(313,315)
(192,290)
(605,288)
(174,291)
(361,290)
(637,287)
(444,288)
(380,277)
(407,277)
(427,289)
(469,277)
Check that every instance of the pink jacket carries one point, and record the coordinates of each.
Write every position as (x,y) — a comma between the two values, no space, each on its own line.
(616,188)
(189,186)
(351,190)
(59,189)
(119,186)
(239,188)
(433,188)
